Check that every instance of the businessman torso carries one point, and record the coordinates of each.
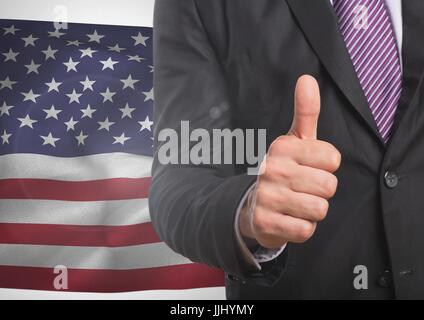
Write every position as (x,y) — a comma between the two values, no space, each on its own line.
(376,219)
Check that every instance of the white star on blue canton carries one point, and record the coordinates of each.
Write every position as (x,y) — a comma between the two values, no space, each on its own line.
(4,110)
(5,137)
(10,56)
(50,53)
(7,83)
(149,95)
(135,58)
(30,95)
(146,124)
(70,125)
(127,111)
(95,37)
(121,139)
(105,124)
(49,140)
(88,84)
(108,64)
(53,85)
(116,48)
(87,52)
(71,65)
(29,41)
(107,95)
(129,82)
(87,112)
(32,67)
(27,122)
(52,112)
(10,30)
(74,96)
(81,138)
(56,33)
(140,39)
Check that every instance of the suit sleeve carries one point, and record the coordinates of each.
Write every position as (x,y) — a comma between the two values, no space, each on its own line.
(193,207)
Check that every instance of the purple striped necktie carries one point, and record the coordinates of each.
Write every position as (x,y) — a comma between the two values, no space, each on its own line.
(370,39)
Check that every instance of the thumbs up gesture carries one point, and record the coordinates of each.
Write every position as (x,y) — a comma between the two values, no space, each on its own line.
(297,181)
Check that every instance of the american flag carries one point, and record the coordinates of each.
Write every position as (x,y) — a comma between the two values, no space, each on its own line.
(75,155)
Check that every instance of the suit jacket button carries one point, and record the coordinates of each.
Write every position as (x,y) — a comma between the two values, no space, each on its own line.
(385,280)
(231,277)
(391,179)
(406,273)
(234,278)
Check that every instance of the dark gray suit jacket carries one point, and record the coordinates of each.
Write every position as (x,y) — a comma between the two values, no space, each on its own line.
(248,54)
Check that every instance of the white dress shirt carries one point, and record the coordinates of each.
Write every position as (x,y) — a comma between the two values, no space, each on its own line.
(266,255)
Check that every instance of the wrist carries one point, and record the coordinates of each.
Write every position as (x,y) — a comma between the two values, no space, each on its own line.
(245,220)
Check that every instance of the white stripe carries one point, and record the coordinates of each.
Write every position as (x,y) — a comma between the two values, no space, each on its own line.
(388,126)
(95,167)
(364,37)
(374,52)
(381,22)
(347,11)
(377,109)
(123,12)
(389,119)
(123,258)
(387,79)
(191,294)
(372,79)
(93,213)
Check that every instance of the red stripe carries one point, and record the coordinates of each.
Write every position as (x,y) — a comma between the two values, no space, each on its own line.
(69,235)
(172,277)
(110,189)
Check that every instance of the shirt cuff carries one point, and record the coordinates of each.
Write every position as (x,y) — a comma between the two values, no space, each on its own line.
(260,254)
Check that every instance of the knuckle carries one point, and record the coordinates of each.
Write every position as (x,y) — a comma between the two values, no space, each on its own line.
(283,197)
(282,145)
(266,169)
(279,170)
(335,159)
(321,209)
(262,196)
(305,232)
(330,186)
(285,169)
(260,223)
(271,167)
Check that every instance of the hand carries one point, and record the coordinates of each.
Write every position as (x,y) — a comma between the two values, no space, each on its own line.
(297,178)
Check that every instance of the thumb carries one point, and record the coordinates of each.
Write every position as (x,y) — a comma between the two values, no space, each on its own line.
(306,108)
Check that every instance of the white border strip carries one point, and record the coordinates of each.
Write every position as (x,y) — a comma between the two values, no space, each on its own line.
(112,12)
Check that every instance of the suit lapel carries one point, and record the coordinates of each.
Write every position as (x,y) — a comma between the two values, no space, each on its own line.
(413,63)
(319,24)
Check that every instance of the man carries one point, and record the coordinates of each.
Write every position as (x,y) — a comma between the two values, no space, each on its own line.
(337,211)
